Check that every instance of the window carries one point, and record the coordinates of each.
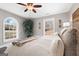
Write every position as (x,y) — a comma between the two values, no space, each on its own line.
(10,29)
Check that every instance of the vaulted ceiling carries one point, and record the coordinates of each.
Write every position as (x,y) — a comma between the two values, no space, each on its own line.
(46,9)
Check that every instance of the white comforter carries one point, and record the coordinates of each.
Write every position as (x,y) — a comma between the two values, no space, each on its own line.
(39,47)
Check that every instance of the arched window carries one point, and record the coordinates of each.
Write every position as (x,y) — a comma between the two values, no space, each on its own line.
(10,29)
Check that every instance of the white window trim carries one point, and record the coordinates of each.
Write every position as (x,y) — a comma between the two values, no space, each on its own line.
(17,36)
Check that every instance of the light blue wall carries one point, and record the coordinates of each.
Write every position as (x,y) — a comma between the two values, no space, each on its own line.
(5,14)
(65,17)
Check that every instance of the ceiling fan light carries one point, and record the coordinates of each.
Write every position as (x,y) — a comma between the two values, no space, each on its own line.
(30,8)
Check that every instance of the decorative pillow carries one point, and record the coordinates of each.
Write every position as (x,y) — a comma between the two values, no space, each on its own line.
(3,49)
(57,46)
(22,42)
(69,40)
(63,31)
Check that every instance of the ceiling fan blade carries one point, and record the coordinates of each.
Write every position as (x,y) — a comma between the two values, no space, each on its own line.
(21,4)
(25,10)
(37,6)
(34,10)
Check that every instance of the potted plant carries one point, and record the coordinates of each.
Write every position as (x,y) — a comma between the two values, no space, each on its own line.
(28,27)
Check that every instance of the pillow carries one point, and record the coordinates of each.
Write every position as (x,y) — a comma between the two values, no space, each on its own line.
(22,42)
(69,42)
(57,46)
(63,31)
(2,49)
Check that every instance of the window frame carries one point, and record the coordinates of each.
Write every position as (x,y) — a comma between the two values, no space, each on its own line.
(17,26)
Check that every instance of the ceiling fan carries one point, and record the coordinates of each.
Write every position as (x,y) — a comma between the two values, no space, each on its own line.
(30,6)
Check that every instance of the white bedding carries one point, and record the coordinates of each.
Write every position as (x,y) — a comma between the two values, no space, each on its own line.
(39,47)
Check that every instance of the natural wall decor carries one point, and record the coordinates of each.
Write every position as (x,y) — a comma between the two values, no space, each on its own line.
(28,27)
(60,23)
(48,28)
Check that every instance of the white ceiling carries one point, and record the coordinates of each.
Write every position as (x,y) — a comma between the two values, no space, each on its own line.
(46,9)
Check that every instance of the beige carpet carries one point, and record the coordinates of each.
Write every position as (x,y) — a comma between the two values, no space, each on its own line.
(39,47)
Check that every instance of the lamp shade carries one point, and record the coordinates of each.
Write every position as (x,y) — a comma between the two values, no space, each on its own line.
(66,24)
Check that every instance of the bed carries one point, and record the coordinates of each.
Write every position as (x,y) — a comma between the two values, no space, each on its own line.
(41,46)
